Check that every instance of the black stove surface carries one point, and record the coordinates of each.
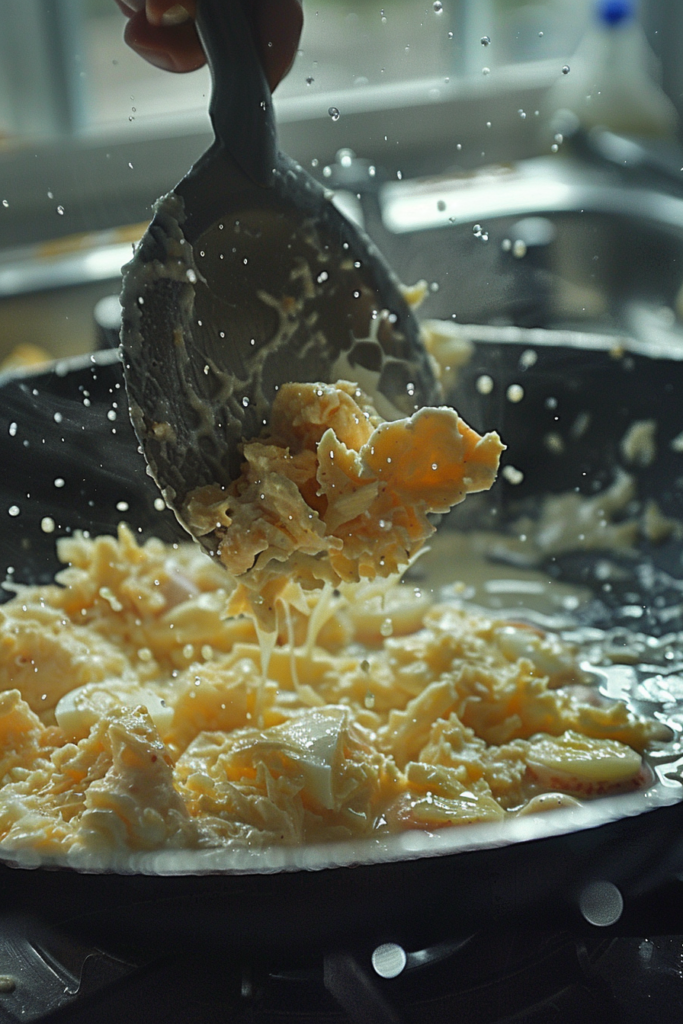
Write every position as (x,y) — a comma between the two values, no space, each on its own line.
(523,976)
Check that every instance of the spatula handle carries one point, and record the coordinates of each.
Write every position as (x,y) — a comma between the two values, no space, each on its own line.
(241,105)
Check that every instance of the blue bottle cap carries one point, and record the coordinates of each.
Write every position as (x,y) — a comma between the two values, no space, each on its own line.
(613,12)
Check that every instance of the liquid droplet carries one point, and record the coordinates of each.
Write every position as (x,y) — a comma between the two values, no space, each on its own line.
(486,40)
(566,69)
(486,71)
(310,80)
(5,203)
(438,7)
(512,475)
(60,211)
(334,113)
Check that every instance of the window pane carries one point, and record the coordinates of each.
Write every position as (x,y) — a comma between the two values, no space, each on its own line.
(123,88)
(347,44)
(344,45)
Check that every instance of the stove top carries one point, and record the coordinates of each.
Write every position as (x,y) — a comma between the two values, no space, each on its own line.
(521,975)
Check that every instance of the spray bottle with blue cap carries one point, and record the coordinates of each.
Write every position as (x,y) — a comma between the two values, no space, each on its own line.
(612,78)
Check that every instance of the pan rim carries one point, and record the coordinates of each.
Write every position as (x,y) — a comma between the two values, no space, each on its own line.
(366,852)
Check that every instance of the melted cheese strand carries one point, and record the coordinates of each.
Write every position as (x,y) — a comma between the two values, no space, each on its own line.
(322,612)
(305,693)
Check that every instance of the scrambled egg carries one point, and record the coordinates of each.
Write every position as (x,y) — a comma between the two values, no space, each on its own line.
(137,714)
(332,493)
(149,699)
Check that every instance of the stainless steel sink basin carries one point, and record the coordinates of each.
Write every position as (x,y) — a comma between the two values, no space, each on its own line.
(546,243)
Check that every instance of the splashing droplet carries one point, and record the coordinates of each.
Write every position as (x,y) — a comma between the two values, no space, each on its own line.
(60,211)
(513,475)
(515,393)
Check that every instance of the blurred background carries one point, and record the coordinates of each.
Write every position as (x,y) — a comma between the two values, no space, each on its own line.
(448,149)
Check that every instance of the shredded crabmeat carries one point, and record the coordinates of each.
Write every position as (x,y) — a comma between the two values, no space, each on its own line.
(134,713)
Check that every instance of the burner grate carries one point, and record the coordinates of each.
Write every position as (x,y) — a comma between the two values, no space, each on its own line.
(525,977)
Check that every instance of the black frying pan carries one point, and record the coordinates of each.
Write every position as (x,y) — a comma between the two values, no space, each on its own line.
(413,888)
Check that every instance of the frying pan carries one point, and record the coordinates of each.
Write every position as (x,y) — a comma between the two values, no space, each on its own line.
(70,424)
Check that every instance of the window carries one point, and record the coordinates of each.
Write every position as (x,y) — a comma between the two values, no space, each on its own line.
(89,128)
(66,70)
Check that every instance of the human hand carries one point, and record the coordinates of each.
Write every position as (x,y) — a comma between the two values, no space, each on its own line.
(164,33)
